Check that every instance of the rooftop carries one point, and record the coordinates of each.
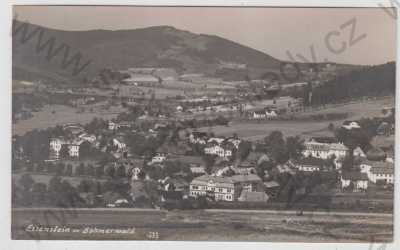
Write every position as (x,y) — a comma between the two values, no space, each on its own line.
(354,176)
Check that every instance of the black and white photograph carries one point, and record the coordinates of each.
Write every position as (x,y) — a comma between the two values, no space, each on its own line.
(203,123)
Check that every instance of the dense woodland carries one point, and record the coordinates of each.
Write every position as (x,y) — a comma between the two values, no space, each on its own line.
(370,81)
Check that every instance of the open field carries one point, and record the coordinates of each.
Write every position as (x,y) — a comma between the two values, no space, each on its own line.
(53,115)
(45,178)
(257,130)
(215,225)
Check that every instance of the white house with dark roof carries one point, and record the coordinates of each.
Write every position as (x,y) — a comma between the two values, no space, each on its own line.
(378,171)
(324,150)
(224,188)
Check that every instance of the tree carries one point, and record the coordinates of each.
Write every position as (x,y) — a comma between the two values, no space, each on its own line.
(209,161)
(68,170)
(59,168)
(353,138)
(55,184)
(80,169)
(276,147)
(294,147)
(39,194)
(348,163)
(89,170)
(121,171)
(244,150)
(110,171)
(85,149)
(331,127)
(26,182)
(85,185)
(99,171)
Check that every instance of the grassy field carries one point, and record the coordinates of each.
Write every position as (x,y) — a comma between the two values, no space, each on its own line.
(210,225)
(45,178)
(53,115)
(257,130)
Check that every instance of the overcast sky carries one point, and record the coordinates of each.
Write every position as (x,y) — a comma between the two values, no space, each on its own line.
(271,30)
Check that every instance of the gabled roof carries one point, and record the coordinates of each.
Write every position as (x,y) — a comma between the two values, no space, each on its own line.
(204,179)
(382,170)
(311,161)
(253,196)
(271,184)
(354,176)
(245,178)
(216,139)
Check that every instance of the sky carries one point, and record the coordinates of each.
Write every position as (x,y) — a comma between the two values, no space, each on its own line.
(364,36)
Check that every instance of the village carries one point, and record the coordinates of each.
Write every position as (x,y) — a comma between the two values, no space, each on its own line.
(159,156)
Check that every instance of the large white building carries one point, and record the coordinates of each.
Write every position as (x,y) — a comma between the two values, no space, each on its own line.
(224,188)
(324,150)
(57,143)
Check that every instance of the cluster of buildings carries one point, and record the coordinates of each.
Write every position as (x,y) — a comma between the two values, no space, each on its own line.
(219,146)
(72,144)
(318,150)
(324,148)
(234,188)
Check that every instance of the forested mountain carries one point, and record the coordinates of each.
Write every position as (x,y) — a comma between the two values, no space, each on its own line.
(369,81)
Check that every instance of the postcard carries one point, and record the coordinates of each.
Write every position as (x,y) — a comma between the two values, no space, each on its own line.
(178,123)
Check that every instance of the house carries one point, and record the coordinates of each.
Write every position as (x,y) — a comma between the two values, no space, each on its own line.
(217,140)
(271,114)
(358,152)
(222,171)
(235,141)
(272,188)
(324,149)
(197,171)
(310,164)
(55,147)
(350,125)
(74,128)
(221,188)
(244,170)
(73,149)
(56,144)
(259,114)
(378,171)
(214,150)
(246,196)
(159,158)
(376,154)
(357,179)
(136,172)
(117,125)
(248,182)
(284,168)
(119,142)
(179,108)
(224,188)
(87,137)
(198,137)
(384,129)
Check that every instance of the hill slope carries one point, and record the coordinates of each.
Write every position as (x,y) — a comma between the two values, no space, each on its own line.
(50,52)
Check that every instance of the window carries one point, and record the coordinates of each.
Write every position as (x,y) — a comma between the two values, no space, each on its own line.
(229,190)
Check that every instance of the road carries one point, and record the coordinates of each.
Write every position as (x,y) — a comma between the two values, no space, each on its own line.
(209,224)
